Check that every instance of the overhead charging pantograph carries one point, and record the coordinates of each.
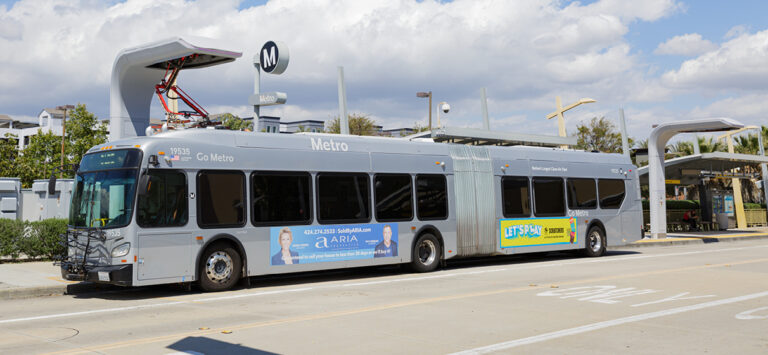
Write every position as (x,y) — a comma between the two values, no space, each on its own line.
(176,119)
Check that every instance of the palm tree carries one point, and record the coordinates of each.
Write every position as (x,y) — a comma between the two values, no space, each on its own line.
(710,145)
(747,144)
(681,148)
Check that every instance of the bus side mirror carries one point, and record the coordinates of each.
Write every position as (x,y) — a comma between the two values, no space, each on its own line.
(52,184)
(143,184)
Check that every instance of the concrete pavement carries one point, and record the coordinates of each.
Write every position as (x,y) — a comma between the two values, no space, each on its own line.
(692,299)
(42,278)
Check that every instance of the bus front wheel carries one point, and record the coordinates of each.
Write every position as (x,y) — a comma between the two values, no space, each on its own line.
(220,267)
(595,242)
(426,253)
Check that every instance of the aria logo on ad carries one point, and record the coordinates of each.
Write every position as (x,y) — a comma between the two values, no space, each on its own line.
(274,57)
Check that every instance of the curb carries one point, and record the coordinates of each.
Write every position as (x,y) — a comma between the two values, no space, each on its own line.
(688,241)
(56,290)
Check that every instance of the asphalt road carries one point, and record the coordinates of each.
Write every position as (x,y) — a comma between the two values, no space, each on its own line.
(692,299)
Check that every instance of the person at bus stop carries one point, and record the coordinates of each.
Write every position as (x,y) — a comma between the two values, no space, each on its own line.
(285,256)
(690,218)
(387,247)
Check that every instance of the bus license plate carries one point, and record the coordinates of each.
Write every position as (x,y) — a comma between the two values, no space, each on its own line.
(103,275)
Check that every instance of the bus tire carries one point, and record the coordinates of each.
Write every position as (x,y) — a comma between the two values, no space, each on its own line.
(426,253)
(594,244)
(219,267)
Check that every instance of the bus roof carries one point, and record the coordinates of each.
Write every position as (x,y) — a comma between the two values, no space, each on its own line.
(351,143)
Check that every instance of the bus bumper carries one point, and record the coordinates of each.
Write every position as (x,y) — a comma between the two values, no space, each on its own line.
(121,275)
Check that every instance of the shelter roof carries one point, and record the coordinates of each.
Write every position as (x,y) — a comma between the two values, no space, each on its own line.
(690,167)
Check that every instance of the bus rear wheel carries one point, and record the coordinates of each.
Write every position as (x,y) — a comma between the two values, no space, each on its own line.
(219,268)
(426,253)
(595,242)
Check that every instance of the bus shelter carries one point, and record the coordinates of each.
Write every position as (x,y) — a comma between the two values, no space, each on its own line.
(699,169)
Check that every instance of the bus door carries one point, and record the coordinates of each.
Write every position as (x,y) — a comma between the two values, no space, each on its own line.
(164,239)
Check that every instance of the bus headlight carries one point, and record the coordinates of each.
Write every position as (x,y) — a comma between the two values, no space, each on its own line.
(121,250)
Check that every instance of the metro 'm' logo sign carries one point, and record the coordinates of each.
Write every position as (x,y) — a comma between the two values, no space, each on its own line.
(273,57)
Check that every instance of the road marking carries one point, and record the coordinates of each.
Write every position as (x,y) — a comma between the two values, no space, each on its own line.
(72,314)
(605,324)
(404,279)
(747,315)
(143,306)
(333,314)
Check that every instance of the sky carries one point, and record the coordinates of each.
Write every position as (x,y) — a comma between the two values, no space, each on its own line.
(659,60)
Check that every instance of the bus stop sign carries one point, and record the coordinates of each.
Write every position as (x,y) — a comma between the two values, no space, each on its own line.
(274,57)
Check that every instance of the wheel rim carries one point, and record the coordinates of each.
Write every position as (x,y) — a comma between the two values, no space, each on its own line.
(427,252)
(218,267)
(595,241)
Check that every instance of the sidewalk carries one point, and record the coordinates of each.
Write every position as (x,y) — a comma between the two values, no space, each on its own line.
(701,237)
(34,279)
(42,278)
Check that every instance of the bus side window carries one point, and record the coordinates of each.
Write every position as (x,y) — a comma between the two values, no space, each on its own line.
(582,194)
(279,198)
(221,198)
(549,197)
(611,193)
(394,197)
(515,196)
(432,197)
(165,203)
(343,198)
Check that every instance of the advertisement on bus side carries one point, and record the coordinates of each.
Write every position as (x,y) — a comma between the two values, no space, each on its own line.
(317,244)
(526,232)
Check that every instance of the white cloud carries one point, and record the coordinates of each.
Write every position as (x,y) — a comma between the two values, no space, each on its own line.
(736,31)
(738,64)
(525,52)
(690,44)
(749,109)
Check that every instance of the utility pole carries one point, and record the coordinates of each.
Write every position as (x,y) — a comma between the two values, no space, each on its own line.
(63,133)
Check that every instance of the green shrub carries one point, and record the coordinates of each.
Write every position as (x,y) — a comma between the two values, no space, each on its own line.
(38,239)
(10,230)
(42,238)
(753,206)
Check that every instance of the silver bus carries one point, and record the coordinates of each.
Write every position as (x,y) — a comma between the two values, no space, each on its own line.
(215,206)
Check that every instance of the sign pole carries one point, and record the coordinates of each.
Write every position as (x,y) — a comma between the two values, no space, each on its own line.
(343,118)
(273,59)
(624,137)
(256,90)
(484,103)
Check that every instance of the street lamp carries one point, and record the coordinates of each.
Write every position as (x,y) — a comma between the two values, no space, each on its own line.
(63,132)
(429,95)
(560,109)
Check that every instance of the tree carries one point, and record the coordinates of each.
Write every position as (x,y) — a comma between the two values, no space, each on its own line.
(39,158)
(43,154)
(83,131)
(417,127)
(682,148)
(599,134)
(9,155)
(749,144)
(235,123)
(359,125)
(711,145)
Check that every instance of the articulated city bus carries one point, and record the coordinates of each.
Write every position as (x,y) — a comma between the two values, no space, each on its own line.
(215,206)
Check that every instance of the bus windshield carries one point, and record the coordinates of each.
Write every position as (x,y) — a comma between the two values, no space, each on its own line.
(104,198)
